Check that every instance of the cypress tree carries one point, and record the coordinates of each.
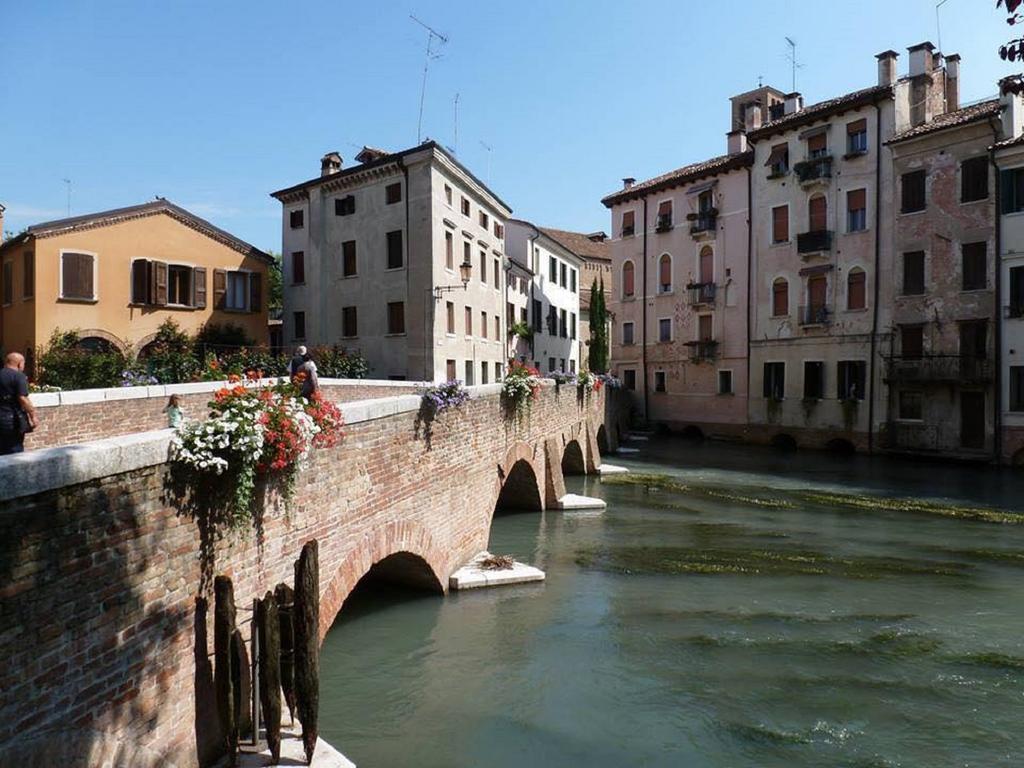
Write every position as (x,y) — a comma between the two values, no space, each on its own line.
(269,631)
(307,643)
(285,597)
(598,355)
(226,671)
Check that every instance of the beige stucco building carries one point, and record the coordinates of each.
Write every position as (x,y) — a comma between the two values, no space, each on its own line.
(373,262)
(116,276)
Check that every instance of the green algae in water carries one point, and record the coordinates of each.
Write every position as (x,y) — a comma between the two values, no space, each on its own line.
(652,482)
(758,617)
(913,506)
(887,644)
(995,660)
(1013,557)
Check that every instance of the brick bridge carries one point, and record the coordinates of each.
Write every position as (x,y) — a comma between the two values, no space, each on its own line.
(105,579)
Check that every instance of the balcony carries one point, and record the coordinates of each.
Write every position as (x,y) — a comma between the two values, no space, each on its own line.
(701,293)
(664,224)
(816,314)
(815,169)
(702,351)
(704,221)
(814,242)
(938,369)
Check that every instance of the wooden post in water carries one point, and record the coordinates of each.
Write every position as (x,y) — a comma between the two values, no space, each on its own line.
(285,597)
(269,636)
(307,643)
(225,674)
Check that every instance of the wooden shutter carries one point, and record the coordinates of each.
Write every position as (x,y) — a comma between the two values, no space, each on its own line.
(220,288)
(665,273)
(817,143)
(855,290)
(817,211)
(255,291)
(856,200)
(665,208)
(707,264)
(77,280)
(857,126)
(705,328)
(158,289)
(627,221)
(627,279)
(140,281)
(780,224)
(199,287)
(780,298)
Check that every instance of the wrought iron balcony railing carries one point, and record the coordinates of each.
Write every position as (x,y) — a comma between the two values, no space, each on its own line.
(664,223)
(938,369)
(704,221)
(813,242)
(815,314)
(701,293)
(702,351)
(815,168)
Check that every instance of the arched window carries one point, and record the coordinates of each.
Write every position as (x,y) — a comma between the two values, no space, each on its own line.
(817,212)
(706,268)
(628,286)
(780,297)
(856,289)
(664,273)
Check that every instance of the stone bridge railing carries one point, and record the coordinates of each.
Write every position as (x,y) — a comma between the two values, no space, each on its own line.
(105,576)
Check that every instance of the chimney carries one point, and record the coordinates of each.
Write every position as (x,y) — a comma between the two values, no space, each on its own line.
(794,103)
(737,142)
(1013,106)
(921,59)
(628,182)
(597,237)
(953,82)
(330,163)
(753,117)
(887,67)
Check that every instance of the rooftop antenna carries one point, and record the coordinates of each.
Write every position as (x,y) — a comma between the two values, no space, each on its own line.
(67,183)
(489,149)
(791,56)
(432,54)
(455,143)
(938,24)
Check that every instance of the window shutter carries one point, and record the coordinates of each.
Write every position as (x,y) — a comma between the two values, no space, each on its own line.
(856,199)
(140,281)
(665,208)
(818,214)
(220,288)
(255,291)
(665,272)
(158,290)
(817,143)
(857,126)
(199,287)
(780,224)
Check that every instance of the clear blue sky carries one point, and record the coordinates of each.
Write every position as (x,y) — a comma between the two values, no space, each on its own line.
(214,104)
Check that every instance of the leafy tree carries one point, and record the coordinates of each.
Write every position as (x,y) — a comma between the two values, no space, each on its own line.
(275,286)
(598,354)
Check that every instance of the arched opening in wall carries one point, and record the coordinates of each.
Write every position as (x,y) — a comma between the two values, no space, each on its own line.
(602,440)
(572,459)
(783,442)
(840,446)
(520,491)
(693,432)
(398,578)
(1018,458)
(96,344)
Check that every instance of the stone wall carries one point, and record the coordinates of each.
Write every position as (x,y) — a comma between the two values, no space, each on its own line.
(106,565)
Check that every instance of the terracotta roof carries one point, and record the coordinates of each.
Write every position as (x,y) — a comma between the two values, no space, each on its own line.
(579,243)
(118,215)
(684,175)
(963,116)
(1010,142)
(821,110)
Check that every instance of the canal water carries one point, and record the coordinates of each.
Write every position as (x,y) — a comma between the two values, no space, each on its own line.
(731,607)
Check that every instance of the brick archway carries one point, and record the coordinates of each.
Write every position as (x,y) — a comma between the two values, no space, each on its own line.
(521,479)
(573,461)
(407,538)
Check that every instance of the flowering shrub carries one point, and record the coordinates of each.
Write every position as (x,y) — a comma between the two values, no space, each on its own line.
(450,394)
(586,381)
(560,378)
(519,387)
(135,378)
(256,431)
(608,380)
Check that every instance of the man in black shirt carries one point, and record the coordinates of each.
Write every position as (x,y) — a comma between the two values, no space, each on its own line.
(17,414)
(301,356)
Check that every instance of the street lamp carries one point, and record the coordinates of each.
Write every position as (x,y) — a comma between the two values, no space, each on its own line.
(465,272)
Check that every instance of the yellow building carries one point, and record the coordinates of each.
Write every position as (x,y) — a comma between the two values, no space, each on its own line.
(115,276)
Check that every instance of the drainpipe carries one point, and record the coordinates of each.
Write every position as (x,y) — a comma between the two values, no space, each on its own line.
(751,291)
(643,298)
(877,281)
(997,389)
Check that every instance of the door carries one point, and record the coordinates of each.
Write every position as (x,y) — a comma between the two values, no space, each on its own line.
(707,265)
(972,419)
(816,299)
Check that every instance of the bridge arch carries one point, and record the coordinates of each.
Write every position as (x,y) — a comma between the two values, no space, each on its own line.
(573,461)
(399,551)
(602,440)
(521,480)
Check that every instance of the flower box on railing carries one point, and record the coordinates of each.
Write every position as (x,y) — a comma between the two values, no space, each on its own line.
(815,168)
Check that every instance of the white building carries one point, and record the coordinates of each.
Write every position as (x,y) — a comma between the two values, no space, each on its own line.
(554,298)
(402,259)
(518,280)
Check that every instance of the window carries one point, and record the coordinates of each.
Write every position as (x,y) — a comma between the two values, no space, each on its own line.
(1017,387)
(911,405)
(497,273)
(497,328)
(483,325)
(856,289)
(563,323)
(240,292)
(572,280)
(780,224)
(552,320)
(449,251)
(499,232)
(628,223)
(8,282)
(298,267)
(665,329)
(974,339)
(974,179)
(483,372)
(483,267)
(856,210)
(296,219)
(467,253)
(975,267)
(485,221)
(465,206)
(77,276)
(857,137)
(393,194)
(850,378)
(911,341)
(913,273)
(450,306)
(778,160)
(913,194)
(469,372)
(299,324)
(551,364)
(563,275)
(348,258)
(469,321)
(572,325)
(349,322)
(395,249)
(499,371)
(396,317)
(664,273)
(572,367)
(629,379)
(538,314)
(817,145)
(659,381)
(706,265)
(344,206)
(179,285)
(628,288)
(780,297)
(817,214)
(448,199)
(29,275)
(705,328)
(552,270)
(627,333)
(814,380)
(1016,292)
(1011,183)
(774,383)
(725,382)
(664,215)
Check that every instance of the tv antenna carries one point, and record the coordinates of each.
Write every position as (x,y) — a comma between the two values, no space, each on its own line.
(67,183)
(455,142)
(938,24)
(791,56)
(432,55)
(489,149)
